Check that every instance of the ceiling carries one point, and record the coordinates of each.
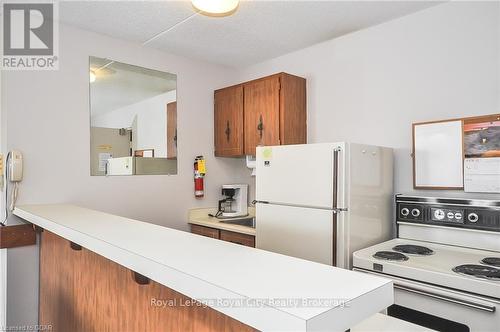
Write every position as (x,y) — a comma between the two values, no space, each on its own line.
(118,85)
(257,31)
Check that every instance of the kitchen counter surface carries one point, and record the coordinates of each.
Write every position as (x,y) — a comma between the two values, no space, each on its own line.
(265,290)
(200,217)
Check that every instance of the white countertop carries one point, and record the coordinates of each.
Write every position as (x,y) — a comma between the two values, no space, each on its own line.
(200,217)
(252,284)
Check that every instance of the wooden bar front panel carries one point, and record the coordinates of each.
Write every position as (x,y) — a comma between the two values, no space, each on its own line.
(17,236)
(82,291)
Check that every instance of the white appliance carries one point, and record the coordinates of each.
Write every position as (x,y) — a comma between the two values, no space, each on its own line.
(235,202)
(321,202)
(120,166)
(445,263)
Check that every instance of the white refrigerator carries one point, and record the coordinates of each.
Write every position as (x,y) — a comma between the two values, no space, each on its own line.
(321,202)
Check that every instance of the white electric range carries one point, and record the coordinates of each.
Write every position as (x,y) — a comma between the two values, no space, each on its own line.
(445,263)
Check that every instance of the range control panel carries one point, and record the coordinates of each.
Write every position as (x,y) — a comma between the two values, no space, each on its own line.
(473,214)
(447,215)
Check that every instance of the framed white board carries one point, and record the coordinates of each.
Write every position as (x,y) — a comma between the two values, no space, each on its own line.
(438,155)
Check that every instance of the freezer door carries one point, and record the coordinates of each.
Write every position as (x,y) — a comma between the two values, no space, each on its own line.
(298,175)
(294,231)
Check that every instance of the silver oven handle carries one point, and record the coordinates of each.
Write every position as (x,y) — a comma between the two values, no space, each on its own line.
(450,299)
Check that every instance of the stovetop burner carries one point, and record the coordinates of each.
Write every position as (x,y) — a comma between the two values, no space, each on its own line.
(493,261)
(413,249)
(479,271)
(390,256)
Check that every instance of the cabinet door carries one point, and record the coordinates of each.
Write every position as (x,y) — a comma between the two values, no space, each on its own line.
(262,106)
(228,126)
(238,238)
(205,231)
(293,110)
(172,130)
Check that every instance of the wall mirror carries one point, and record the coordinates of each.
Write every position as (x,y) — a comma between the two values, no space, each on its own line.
(133,119)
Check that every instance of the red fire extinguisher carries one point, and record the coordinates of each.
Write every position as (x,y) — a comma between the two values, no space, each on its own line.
(199,174)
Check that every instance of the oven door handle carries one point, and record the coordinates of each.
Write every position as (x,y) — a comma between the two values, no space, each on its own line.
(446,298)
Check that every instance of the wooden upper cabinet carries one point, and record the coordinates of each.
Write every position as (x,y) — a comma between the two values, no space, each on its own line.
(293,110)
(172,130)
(262,112)
(267,111)
(228,121)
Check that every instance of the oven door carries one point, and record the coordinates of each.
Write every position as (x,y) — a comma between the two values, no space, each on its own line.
(442,309)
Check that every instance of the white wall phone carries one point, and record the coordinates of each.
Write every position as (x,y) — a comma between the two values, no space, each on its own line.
(15,166)
(14,174)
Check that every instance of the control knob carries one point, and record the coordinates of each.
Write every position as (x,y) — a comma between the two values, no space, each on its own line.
(405,212)
(439,214)
(415,212)
(473,217)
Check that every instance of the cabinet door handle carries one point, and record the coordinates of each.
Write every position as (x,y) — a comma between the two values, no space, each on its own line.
(175,137)
(260,126)
(228,130)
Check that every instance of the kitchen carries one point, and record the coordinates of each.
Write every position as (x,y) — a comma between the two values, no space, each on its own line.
(367,86)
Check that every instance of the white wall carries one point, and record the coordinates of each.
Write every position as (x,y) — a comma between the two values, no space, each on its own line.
(368,86)
(47,115)
(371,85)
(151,132)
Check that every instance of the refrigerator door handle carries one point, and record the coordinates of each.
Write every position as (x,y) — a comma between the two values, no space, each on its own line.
(336,167)
(336,210)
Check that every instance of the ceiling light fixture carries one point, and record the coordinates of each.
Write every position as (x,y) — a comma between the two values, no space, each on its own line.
(216,7)
(92,76)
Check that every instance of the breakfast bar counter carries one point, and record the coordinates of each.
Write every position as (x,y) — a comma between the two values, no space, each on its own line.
(259,289)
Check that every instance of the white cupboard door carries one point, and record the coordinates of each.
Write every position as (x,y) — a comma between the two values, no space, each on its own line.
(299,232)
